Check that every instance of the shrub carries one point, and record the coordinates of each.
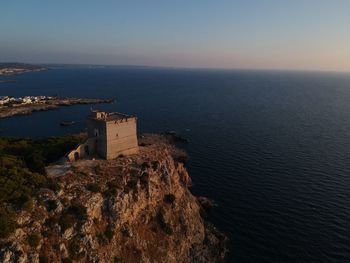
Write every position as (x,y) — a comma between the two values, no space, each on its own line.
(65,201)
(51,205)
(73,213)
(36,162)
(22,199)
(66,221)
(28,205)
(144,179)
(145,165)
(43,259)
(17,183)
(66,260)
(34,239)
(7,222)
(111,191)
(168,229)
(98,169)
(102,239)
(73,249)
(52,221)
(155,165)
(163,224)
(109,234)
(117,259)
(78,210)
(131,185)
(95,188)
(169,198)
(53,185)
(46,233)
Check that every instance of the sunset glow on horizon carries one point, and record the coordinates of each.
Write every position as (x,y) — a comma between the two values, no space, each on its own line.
(301,35)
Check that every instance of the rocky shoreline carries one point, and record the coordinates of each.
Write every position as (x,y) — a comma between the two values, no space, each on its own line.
(134,208)
(25,109)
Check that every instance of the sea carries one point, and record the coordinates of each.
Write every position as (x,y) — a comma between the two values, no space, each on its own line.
(270,148)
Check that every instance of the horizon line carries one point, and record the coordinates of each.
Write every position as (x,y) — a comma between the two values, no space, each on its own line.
(184,67)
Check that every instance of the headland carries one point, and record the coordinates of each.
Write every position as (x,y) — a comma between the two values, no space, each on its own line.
(12,106)
(134,208)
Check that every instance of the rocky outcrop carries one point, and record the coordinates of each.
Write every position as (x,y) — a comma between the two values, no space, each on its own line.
(52,104)
(131,209)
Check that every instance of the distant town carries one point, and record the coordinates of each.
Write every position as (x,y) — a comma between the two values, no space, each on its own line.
(8,101)
(11,106)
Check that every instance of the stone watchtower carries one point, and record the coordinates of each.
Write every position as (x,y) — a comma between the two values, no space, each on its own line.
(112,134)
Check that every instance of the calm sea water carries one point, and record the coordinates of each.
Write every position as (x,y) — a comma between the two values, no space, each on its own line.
(271,148)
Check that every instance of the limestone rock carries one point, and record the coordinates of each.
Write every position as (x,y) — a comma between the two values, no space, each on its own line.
(139,210)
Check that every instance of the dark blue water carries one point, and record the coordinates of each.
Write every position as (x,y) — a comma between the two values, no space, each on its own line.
(271,148)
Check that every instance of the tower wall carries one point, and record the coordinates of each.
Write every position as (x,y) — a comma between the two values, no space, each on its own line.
(97,130)
(121,137)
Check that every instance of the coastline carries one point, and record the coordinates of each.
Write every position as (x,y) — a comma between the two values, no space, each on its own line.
(26,109)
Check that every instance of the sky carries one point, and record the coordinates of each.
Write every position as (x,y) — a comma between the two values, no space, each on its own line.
(246,34)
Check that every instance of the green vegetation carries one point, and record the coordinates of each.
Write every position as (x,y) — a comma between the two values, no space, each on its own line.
(51,205)
(22,173)
(53,185)
(105,237)
(130,185)
(109,233)
(169,198)
(71,215)
(43,259)
(144,179)
(145,165)
(112,188)
(73,249)
(66,221)
(22,166)
(7,222)
(162,223)
(155,165)
(102,239)
(93,188)
(51,221)
(34,239)
(67,260)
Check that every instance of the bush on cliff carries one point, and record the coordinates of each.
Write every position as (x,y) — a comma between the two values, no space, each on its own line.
(169,198)
(66,221)
(74,213)
(22,171)
(93,188)
(17,182)
(131,185)
(162,223)
(34,239)
(51,205)
(7,222)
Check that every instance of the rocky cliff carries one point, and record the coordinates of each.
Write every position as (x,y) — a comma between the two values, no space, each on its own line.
(131,209)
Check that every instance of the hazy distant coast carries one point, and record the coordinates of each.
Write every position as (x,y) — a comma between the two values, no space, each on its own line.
(10,106)
(8,69)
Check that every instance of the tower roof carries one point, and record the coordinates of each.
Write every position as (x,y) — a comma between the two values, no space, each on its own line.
(109,116)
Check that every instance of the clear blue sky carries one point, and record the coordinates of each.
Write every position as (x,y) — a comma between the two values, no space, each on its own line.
(284,34)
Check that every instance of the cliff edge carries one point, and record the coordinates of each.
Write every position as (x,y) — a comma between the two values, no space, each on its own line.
(131,209)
